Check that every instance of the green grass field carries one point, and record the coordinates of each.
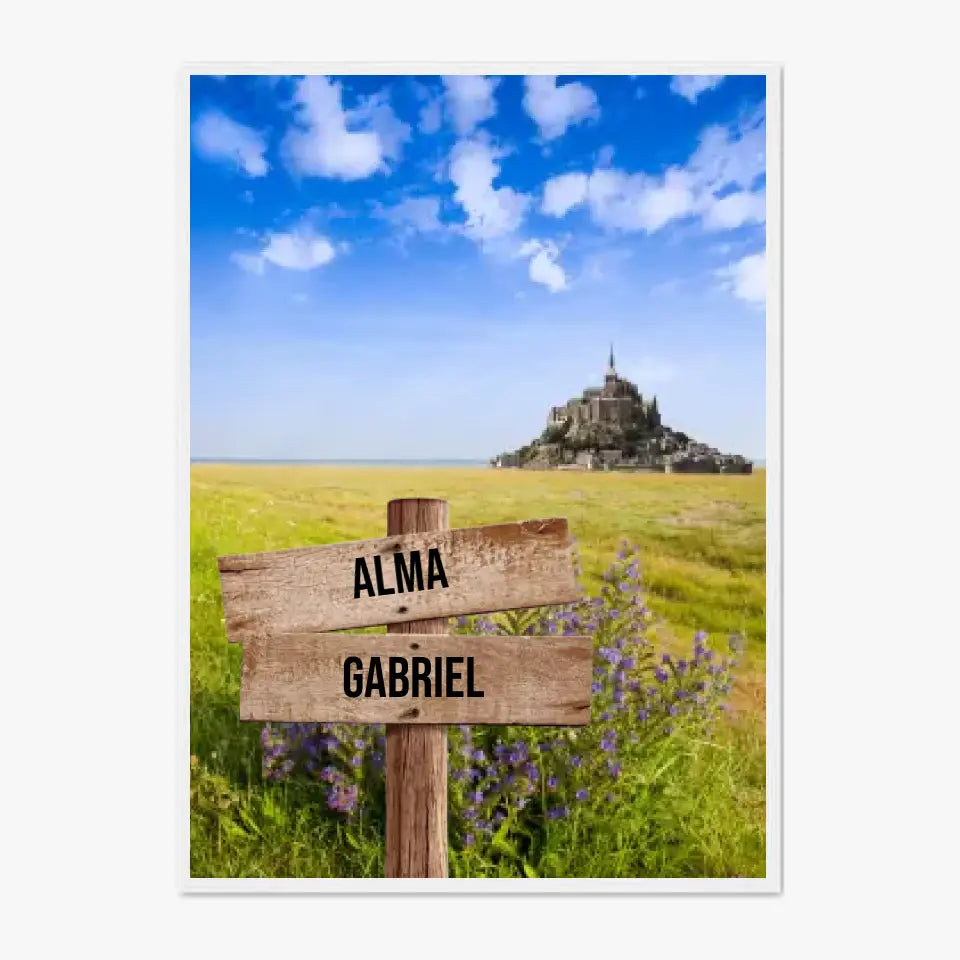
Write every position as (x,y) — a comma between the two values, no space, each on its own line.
(703,549)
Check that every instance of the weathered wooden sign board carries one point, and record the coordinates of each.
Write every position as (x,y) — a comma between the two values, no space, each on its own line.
(397,579)
(417,677)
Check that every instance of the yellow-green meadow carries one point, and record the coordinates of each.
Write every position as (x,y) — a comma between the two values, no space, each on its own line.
(702,545)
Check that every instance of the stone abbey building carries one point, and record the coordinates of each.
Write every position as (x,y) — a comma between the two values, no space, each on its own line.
(616,427)
(618,403)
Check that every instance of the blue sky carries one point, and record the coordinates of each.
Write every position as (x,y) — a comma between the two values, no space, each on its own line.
(419,267)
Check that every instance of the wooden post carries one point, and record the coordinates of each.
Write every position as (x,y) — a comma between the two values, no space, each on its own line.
(416,760)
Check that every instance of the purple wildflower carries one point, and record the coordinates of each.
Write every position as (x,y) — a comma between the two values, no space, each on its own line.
(343,798)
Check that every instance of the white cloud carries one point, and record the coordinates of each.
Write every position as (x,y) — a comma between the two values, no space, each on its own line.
(328,141)
(563,193)
(728,156)
(321,213)
(692,85)
(736,209)
(375,111)
(251,262)
(413,215)
(431,115)
(716,184)
(298,249)
(630,202)
(746,278)
(605,265)
(492,212)
(543,267)
(555,108)
(431,112)
(469,101)
(217,137)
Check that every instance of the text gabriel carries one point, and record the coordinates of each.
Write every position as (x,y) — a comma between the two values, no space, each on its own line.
(405,676)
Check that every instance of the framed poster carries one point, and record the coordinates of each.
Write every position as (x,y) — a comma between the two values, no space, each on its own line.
(548,296)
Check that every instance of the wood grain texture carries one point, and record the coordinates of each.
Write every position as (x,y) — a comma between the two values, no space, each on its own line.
(299,678)
(311,589)
(416,756)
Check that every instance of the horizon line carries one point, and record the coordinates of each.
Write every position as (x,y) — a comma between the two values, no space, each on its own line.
(198,459)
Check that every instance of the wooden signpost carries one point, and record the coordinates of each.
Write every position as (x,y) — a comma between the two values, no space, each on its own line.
(417,678)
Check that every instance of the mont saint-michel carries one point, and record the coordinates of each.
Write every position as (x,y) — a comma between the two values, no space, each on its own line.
(614,427)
